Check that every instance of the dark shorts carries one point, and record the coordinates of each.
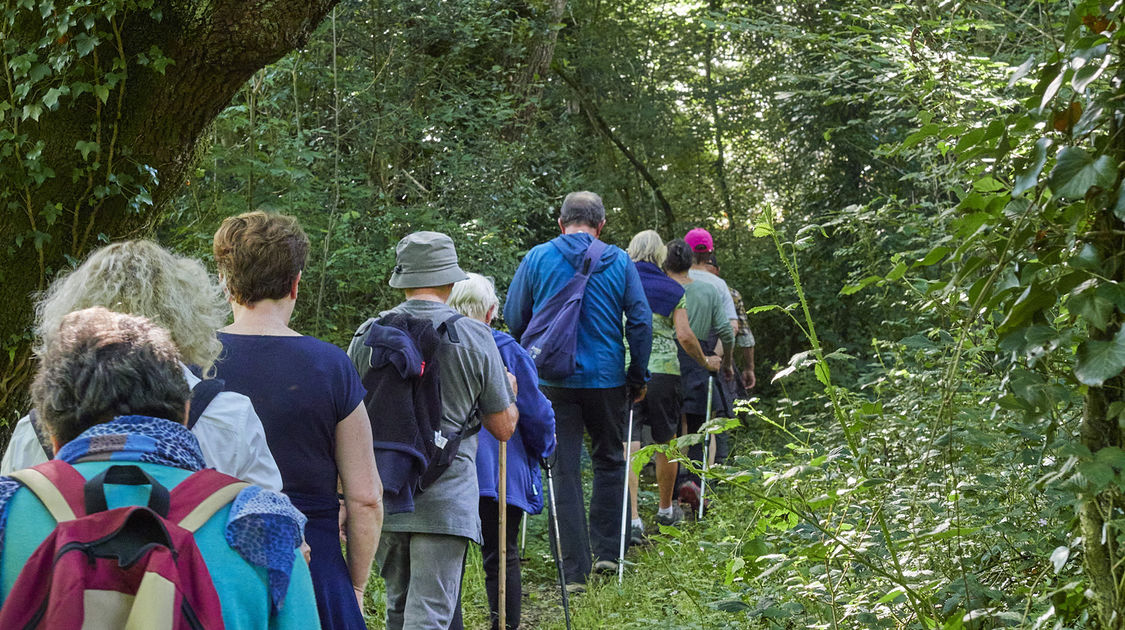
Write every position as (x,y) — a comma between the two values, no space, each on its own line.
(660,409)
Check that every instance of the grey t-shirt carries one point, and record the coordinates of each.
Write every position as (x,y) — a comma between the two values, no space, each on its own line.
(472,374)
(721,285)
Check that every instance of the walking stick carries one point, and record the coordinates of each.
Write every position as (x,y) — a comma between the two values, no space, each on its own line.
(523,535)
(558,544)
(625,498)
(706,443)
(502,577)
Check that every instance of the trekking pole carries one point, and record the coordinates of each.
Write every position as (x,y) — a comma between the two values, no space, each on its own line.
(706,443)
(523,535)
(625,498)
(502,576)
(558,544)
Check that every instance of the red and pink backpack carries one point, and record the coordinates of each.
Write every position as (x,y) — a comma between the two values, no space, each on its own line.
(134,567)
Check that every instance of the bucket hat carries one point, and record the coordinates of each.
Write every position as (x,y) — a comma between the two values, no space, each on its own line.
(425,259)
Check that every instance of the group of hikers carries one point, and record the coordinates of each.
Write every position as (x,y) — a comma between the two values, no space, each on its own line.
(158,450)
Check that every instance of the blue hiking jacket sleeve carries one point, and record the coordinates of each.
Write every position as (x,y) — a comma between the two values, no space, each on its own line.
(533,440)
(614,290)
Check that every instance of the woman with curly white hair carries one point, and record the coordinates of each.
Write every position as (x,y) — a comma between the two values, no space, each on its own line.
(176,293)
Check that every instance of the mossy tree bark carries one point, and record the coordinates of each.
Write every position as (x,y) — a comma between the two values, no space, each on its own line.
(106,105)
(1101,510)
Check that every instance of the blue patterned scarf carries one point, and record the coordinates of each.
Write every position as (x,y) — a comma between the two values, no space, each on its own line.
(263,526)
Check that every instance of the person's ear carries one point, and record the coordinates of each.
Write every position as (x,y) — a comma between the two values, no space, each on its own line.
(490,314)
(561,228)
(293,289)
(598,231)
(55,444)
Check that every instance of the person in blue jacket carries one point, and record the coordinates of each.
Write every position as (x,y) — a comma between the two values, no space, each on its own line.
(593,398)
(533,440)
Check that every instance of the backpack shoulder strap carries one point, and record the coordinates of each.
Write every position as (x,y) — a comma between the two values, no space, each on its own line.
(201,396)
(196,499)
(41,435)
(448,329)
(593,254)
(58,486)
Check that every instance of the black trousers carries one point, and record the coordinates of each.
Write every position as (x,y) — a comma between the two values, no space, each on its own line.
(490,552)
(599,413)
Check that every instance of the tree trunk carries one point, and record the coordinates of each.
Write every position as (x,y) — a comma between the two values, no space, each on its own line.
(529,83)
(604,129)
(100,164)
(1100,513)
(716,119)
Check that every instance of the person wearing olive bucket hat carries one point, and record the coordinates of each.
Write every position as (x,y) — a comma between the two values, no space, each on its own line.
(421,552)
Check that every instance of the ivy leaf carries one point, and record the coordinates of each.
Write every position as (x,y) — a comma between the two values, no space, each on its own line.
(1029,176)
(86,148)
(1076,171)
(1099,361)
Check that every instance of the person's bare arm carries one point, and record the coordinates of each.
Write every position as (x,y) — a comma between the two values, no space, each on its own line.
(690,343)
(748,377)
(502,424)
(363,495)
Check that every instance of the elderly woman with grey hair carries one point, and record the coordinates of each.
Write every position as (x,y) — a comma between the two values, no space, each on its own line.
(176,292)
(533,440)
(661,408)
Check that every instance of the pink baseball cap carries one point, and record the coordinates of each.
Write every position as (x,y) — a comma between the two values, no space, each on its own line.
(699,240)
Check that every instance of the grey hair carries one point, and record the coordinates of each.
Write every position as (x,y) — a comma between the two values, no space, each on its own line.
(100,365)
(141,278)
(474,297)
(647,246)
(582,207)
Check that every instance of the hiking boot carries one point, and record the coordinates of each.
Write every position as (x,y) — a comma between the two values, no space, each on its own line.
(636,535)
(605,567)
(689,493)
(575,588)
(676,516)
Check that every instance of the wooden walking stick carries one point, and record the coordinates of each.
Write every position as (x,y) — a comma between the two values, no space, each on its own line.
(502,577)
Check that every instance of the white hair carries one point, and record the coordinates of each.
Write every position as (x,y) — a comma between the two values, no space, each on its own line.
(141,278)
(647,246)
(474,297)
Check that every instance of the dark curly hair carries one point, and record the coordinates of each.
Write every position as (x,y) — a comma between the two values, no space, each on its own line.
(100,365)
(679,256)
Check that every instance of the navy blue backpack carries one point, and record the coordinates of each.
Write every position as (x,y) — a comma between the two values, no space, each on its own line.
(551,337)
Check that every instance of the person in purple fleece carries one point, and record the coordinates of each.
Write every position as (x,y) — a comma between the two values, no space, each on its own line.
(533,440)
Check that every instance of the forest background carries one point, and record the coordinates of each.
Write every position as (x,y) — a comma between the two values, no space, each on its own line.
(921,203)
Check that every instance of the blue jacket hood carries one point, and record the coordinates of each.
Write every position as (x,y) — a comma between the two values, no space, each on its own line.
(573,248)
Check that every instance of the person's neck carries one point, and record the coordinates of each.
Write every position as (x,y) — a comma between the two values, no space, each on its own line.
(699,267)
(680,277)
(575,228)
(264,317)
(428,294)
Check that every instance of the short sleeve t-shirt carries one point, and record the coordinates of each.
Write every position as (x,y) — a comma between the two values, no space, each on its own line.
(724,293)
(472,375)
(705,309)
(301,387)
(665,353)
